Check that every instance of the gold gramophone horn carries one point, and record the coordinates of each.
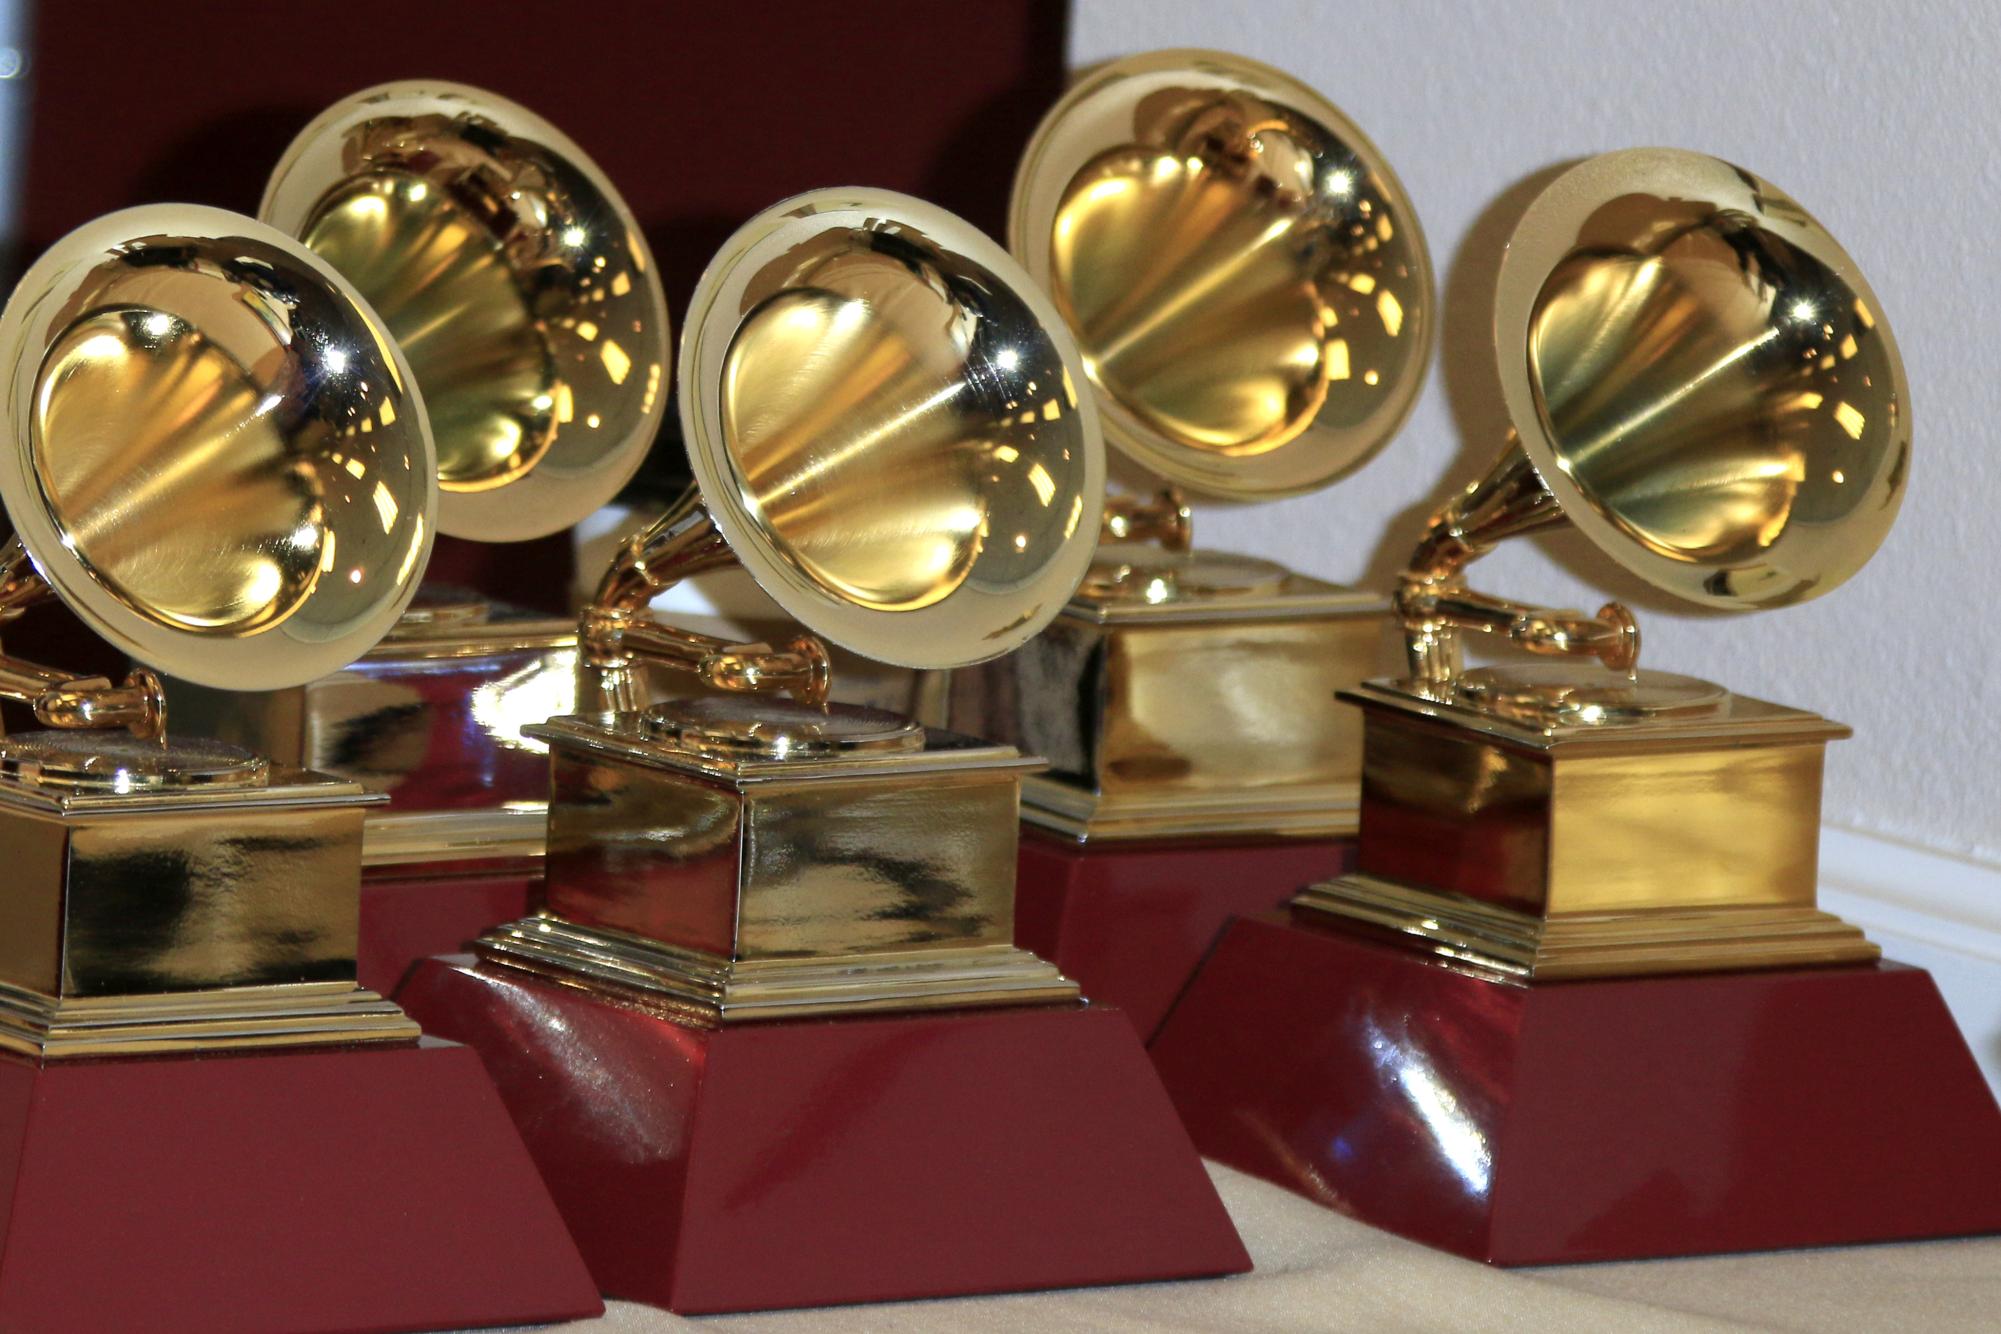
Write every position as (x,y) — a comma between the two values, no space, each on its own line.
(514,279)
(1241,268)
(882,417)
(214,456)
(1701,382)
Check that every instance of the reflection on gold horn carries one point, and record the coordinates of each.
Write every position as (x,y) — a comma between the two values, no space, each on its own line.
(225,470)
(512,276)
(1702,383)
(1243,271)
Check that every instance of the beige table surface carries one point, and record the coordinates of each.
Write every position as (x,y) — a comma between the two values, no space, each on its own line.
(1319,1271)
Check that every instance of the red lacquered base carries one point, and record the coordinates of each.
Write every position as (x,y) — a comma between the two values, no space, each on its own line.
(1130,922)
(1593,1120)
(340,1189)
(818,1162)
(410,918)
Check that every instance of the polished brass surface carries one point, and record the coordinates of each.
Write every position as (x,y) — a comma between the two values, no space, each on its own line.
(1705,386)
(1565,694)
(468,784)
(885,430)
(1518,947)
(1539,849)
(513,277)
(1701,381)
(504,838)
(708,990)
(1210,717)
(1200,581)
(745,883)
(1703,378)
(217,459)
(883,419)
(733,725)
(1254,303)
(180,917)
(1165,519)
(221,464)
(229,1019)
(71,762)
(1243,271)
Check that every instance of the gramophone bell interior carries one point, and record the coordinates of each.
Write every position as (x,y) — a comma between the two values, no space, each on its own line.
(210,442)
(1242,269)
(514,278)
(886,429)
(1703,378)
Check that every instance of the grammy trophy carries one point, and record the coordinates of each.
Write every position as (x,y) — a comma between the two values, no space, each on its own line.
(768,1035)
(215,457)
(1576,1000)
(1253,300)
(517,284)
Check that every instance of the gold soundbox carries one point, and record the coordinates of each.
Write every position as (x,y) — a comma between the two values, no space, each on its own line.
(1254,303)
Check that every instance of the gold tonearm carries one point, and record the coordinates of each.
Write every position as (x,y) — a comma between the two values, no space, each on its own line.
(1435,605)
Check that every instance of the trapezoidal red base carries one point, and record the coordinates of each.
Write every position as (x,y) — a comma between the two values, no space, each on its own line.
(858,1159)
(343,1188)
(406,918)
(1130,922)
(1591,1120)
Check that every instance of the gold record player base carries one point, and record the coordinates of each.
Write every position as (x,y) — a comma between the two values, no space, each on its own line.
(1523,947)
(725,860)
(1525,849)
(709,989)
(1206,711)
(177,898)
(293,1015)
(1085,817)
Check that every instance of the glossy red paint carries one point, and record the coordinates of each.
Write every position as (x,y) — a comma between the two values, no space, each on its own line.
(338,1189)
(1593,1120)
(1130,922)
(819,1162)
(408,917)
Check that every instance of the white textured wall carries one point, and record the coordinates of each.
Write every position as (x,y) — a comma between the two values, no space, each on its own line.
(1884,120)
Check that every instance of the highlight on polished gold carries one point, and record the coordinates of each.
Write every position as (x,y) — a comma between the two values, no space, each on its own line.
(220,463)
(886,430)
(513,277)
(1704,385)
(1242,269)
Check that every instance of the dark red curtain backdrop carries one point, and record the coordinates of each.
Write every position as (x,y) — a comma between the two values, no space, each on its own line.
(701,113)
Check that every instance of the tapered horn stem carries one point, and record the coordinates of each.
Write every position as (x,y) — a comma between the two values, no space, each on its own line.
(619,637)
(64,699)
(1436,606)
(1164,518)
